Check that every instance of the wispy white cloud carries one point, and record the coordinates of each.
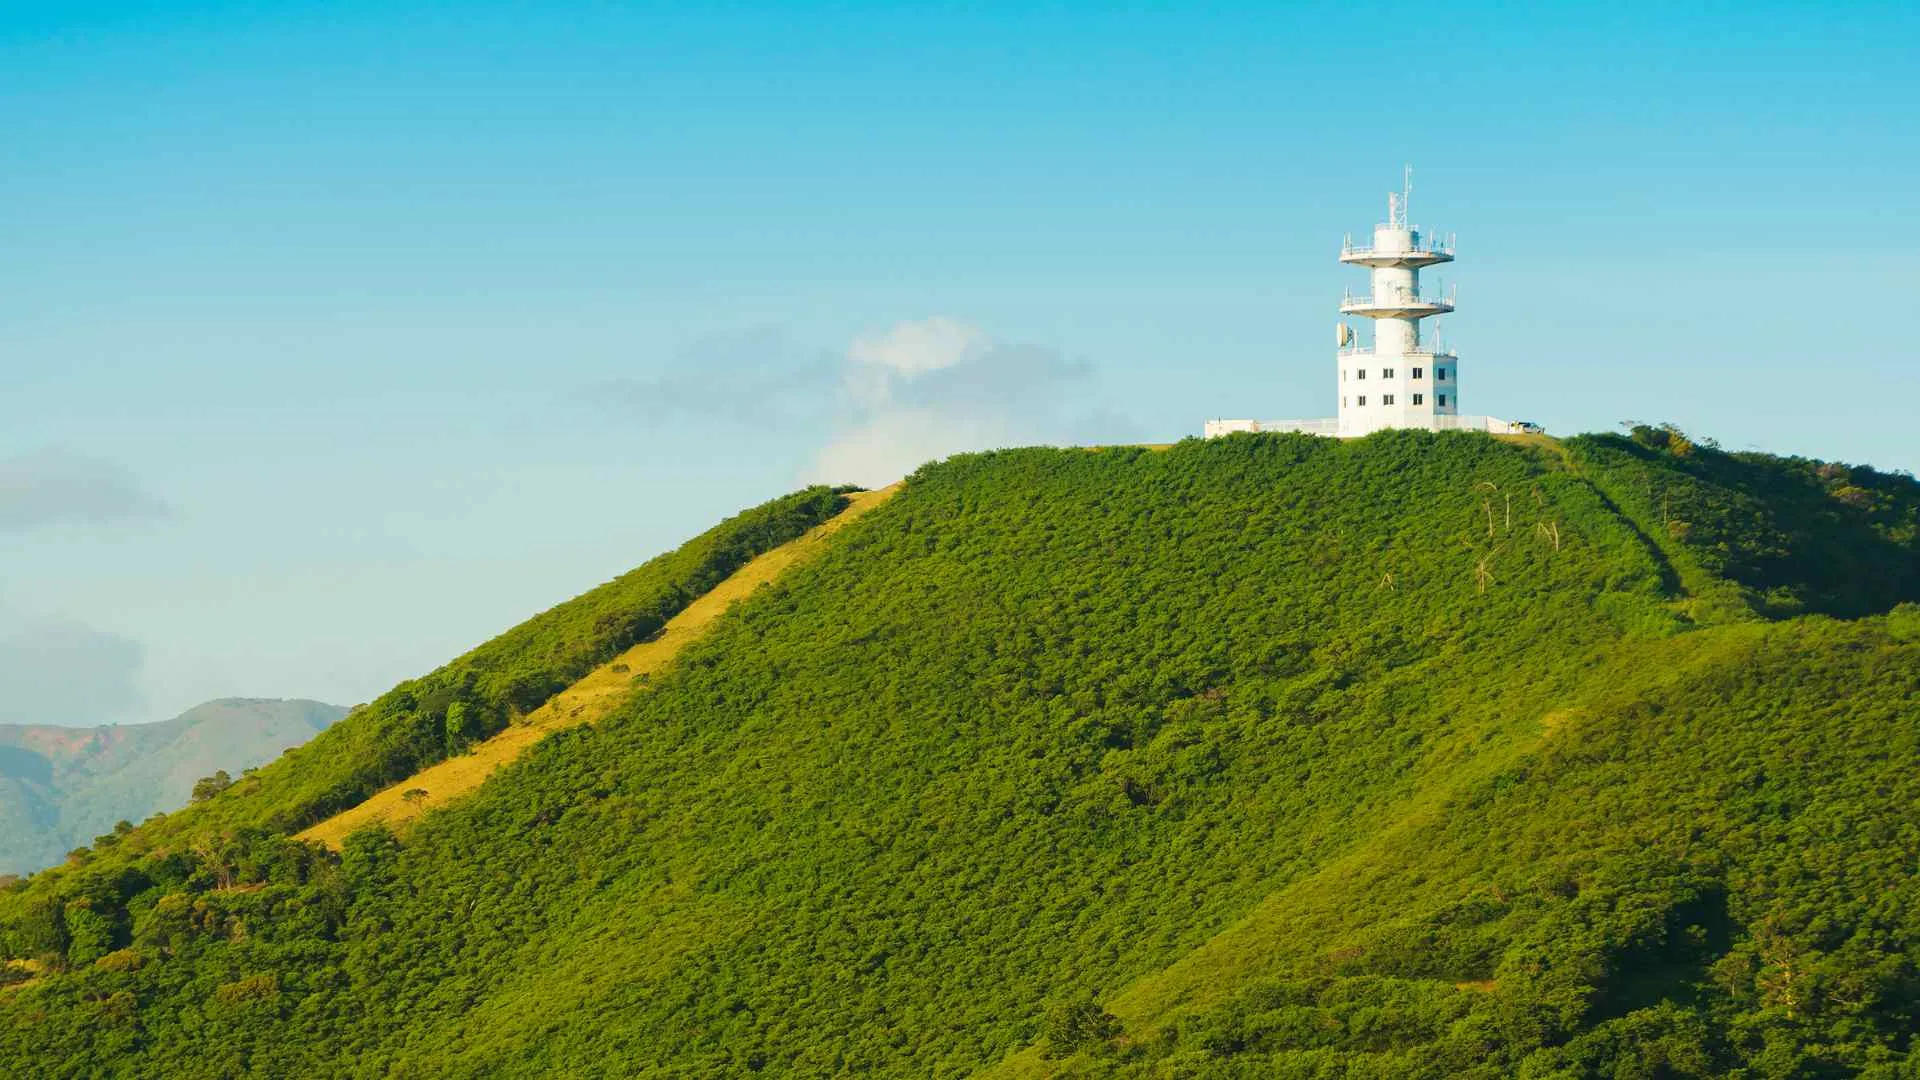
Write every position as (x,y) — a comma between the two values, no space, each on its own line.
(913,348)
(930,388)
(757,377)
(60,672)
(56,487)
(894,398)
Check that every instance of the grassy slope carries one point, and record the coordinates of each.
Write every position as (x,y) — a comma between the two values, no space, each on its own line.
(1702,846)
(1265,743)
(1100,571)
(408,728)
(512,675)
(588,700)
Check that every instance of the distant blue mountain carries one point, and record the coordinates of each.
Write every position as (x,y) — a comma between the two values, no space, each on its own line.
(62,786)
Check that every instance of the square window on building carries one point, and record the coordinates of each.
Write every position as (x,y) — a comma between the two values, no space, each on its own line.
(1440,400)
(1360,374)
(1418,399)
(1343,374)
(1418,373)
(1362,400)
(1440,374)
(1386,399)
(1386,373)
(1343,403)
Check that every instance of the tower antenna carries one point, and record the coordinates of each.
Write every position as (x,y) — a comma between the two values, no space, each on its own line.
(1406,194)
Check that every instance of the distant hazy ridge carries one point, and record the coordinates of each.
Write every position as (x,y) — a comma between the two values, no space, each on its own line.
(62,786)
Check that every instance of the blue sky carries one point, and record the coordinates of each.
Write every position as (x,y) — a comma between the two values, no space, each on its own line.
(336,338)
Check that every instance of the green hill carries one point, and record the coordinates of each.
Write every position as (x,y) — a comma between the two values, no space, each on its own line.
(62,786)
(1414,756)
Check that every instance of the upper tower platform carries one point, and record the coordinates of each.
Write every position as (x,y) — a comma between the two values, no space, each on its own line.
(1397,246)
(1395,304)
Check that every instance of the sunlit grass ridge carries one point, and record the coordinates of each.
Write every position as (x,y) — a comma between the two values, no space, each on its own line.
(1418,755)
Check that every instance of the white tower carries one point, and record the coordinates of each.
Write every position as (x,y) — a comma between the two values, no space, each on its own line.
(1398,381)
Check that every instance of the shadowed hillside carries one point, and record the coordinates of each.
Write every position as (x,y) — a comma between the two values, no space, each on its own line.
(1418,755)
(1792,535)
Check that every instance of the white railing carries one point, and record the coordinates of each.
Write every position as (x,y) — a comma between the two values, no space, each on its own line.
(1429,354)
(1404,300)
(1492,425)
(1217,428)
(1443,251)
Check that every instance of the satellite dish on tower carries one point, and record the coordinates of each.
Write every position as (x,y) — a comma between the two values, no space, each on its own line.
(1343,334)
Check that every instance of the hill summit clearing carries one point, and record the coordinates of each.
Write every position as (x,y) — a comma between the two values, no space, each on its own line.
(1417,755)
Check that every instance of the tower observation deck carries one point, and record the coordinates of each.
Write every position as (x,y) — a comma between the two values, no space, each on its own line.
(1399,380)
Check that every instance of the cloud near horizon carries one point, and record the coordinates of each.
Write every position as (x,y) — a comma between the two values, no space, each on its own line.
(57,487)
(894,399)
(758,377)
(930,388)
(67,673)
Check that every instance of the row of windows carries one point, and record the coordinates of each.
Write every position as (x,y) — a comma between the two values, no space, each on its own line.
(1439,400)
(1439,374)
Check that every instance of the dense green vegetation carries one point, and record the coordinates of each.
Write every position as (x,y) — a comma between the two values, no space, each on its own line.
(1793,535)
(1420,755)
(422,721)
(61,787)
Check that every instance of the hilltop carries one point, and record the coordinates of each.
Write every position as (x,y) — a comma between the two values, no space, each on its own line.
(62,786)
(1415,755)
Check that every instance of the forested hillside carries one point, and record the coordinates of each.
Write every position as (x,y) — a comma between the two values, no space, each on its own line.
(426,719)
(1414,756)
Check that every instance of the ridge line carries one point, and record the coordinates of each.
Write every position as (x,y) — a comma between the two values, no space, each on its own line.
(592,696)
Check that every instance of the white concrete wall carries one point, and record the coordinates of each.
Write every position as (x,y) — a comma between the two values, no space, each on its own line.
(1491,424)
(1217,428)
(1402,386)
